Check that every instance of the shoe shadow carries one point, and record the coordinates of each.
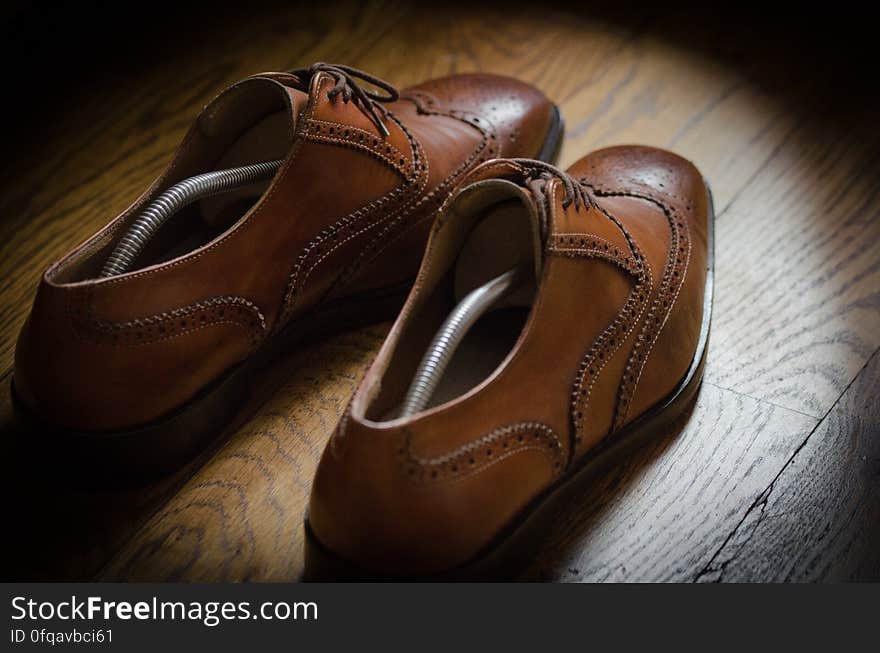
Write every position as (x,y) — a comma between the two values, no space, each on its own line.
(69,528)
(586,528)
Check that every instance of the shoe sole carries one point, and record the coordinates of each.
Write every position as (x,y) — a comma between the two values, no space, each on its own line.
(134,456)
(512,549)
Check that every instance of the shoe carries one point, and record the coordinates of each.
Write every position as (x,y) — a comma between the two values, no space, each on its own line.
(557,320)
(142,340)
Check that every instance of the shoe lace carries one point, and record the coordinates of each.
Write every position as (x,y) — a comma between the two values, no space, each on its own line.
(539,171)
(351,91)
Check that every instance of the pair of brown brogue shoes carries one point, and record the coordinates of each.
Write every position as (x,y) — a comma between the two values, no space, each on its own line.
(553,318)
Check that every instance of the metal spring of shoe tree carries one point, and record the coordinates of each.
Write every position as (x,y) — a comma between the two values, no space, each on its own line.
(173,200)
(450,335)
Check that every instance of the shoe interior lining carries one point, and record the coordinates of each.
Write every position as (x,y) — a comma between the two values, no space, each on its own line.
(482,351)
(500,236)
(205,220)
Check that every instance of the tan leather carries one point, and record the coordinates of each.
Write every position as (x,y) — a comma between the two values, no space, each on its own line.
(613,327)
(348,212)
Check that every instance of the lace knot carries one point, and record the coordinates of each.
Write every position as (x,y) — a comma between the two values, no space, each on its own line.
(351,91)
(575,192)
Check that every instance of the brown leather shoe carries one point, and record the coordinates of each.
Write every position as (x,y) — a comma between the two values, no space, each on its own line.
(141,340)
(460,440)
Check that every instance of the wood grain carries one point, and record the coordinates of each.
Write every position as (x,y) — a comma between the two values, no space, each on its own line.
(56,530)
(793,170)
(798,266)
(819,519)
(240,517)
(662,514)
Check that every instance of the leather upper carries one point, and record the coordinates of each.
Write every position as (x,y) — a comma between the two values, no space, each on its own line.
(612,329)
(348,212)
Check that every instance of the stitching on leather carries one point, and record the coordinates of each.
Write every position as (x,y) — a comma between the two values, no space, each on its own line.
(366,257)
(297,279)
(490,155)
(672,280)
(590,246)
(296,282)
(322,131)
(482,453)
(168,324)
(480,468)
(606,345)
(665,319)
(683,268)
(422,100)
(294,285)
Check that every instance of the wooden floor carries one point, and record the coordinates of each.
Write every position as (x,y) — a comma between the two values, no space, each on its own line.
(775,476)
